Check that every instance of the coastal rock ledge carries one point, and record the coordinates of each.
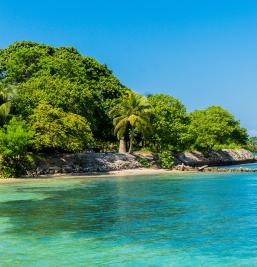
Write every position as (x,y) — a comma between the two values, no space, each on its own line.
(214,157)
(91,162)
(88,162)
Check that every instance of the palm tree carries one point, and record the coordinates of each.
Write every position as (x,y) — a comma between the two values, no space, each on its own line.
(131,112)
(7,92)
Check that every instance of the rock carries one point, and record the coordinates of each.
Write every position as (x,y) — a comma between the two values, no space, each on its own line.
(66,169)
(55,170)
(86,162)
(214,157)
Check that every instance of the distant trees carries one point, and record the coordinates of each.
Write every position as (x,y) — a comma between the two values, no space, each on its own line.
(215,128)
(169,123)
(71,102)
(252,144)
(63,78)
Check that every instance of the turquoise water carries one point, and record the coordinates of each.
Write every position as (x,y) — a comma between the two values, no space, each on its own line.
(190,220)
(246,165)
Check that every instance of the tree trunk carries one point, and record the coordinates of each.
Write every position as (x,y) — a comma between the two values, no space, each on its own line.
(131,140)
(122,147)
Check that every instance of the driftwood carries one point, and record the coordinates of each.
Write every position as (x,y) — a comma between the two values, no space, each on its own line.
(200,169)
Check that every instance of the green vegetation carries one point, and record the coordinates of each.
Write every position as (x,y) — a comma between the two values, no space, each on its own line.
(130,114)
(7,93)
(58,130)
(143,161)
(215,128)
(170,123)
(165,159)
(61,101)
(15,139)
(252,144)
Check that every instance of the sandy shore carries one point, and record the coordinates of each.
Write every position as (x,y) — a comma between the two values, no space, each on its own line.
(130,172)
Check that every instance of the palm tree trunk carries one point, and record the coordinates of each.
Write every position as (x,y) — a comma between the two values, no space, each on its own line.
(122,146)
(131,140)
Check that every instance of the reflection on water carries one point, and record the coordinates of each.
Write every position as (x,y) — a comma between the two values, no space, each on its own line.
(203,220)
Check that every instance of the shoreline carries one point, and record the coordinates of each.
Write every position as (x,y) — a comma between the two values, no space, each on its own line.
(120,173)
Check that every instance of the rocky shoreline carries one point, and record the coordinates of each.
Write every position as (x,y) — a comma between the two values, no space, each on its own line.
(183,168)
(214,157)
(90,162)
(213,161)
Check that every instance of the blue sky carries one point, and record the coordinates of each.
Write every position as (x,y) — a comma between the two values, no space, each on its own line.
(202,52)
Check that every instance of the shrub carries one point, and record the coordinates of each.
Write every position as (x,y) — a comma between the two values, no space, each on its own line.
(59,130)
(165,159)
(15,138)
(143,161)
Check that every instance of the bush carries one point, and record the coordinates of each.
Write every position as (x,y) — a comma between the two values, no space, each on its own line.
(59,130)
(15,139)
(143,161)
(165,159)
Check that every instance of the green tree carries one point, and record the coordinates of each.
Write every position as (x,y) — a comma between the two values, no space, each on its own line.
(7,94)
(15,139)
(63,78)
(169,122)
(215,128)
(129,114)
(252,144)
(58,130)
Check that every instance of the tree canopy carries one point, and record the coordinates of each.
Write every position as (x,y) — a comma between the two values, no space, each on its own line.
(63,78)
(215,128)
(72,101)
(131,113)
(169,122)
(56,130)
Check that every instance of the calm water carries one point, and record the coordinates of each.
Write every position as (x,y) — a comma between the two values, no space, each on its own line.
(199,220)
(246,165)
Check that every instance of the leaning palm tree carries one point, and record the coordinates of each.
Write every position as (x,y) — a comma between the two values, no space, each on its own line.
(131,112)
(7,92)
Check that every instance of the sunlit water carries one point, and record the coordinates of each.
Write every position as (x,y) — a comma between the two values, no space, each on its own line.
(190,220)
(245,165)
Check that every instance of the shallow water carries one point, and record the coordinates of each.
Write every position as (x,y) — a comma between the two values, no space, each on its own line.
(245,165)
(168,220)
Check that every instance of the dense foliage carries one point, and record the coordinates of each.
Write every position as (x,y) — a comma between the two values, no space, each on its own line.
(165,159)
(215,128)
(169,123)
(71,103)
(131,114)
(15,139)
(58,130)
(7,94)
(252,144)
(63,78)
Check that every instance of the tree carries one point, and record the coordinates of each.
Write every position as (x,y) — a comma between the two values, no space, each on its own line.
(15,139)
(252,144)
(215,128)
(63,78)
(169,122)
(130,113)
(59,131)
(7,93)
